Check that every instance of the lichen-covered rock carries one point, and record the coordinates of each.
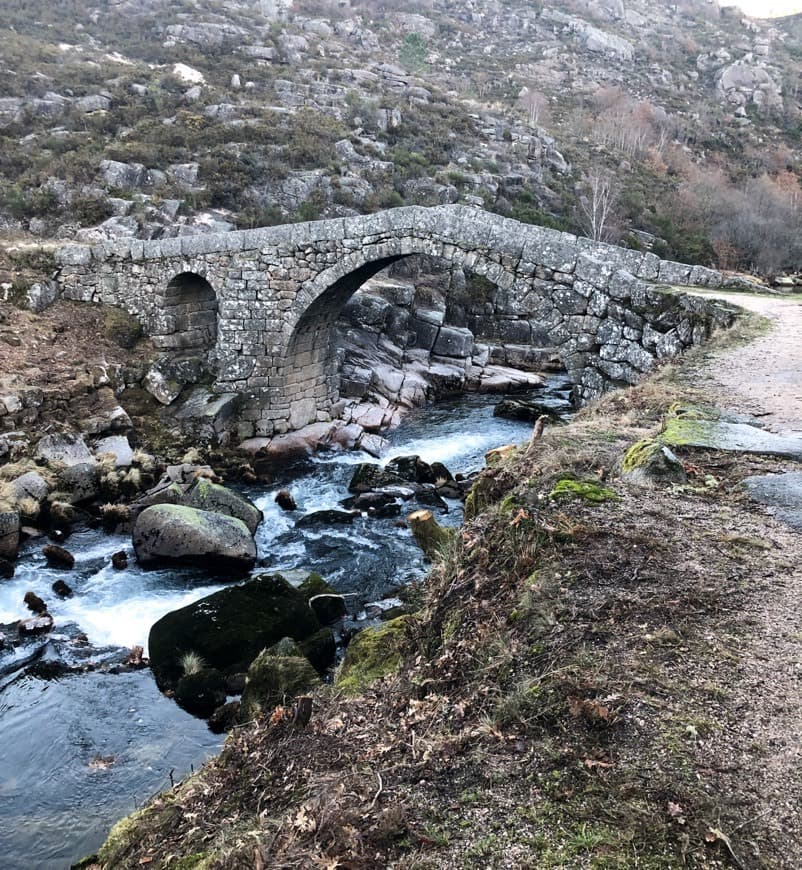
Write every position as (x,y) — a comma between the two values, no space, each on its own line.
(649,462)
(229,628)
(372,654)
(64,449)
(207,496)
(178,534)
(275,680)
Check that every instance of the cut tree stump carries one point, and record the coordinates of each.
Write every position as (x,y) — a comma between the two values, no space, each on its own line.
(430,536)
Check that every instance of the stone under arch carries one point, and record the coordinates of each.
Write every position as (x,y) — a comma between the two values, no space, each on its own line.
(189,314)
(308,368)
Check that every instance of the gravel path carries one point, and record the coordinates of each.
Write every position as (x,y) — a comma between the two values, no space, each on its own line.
(765,376)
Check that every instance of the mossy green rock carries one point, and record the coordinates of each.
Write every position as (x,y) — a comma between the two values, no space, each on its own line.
(201,693)
(172,534)
(121,327)
(328,609)
(229,628)
(649,462)
(207,496)
(587,490)
(274,680)
(372,654)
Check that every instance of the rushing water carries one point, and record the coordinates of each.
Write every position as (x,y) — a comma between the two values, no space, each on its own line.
(81,749)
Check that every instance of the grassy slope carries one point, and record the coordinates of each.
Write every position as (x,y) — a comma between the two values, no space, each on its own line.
(568,695)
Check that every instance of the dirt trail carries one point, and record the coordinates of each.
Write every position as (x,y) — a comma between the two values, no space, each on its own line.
(765,376)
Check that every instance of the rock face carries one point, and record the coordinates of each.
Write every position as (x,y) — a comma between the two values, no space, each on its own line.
(230,628)
(185,535)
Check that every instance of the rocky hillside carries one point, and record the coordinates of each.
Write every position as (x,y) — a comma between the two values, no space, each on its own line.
(672,126)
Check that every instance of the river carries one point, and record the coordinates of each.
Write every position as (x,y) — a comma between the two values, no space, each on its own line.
(83,746)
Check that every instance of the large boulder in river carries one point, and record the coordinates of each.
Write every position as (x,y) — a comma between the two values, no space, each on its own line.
(207,496)
(229,628)
(169,533)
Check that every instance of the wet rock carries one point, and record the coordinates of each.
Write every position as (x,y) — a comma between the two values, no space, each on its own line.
(327,518)
(119,560)
(135,658)
(202,692)
(285,500)
(230,628)
(34,603)
(184,535)
(274,680)
(375,504)
(519,409)
(35,625)
(58,557)
(413,469)
(6,569)
(370,477)
(323,599)
(62,589)
(207,496)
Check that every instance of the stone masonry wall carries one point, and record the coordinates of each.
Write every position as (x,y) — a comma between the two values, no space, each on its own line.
(279,291)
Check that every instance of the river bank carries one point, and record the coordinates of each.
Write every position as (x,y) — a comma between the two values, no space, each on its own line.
(601,674)
(70,774)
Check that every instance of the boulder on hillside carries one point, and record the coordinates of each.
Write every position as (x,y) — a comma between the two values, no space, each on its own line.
(64,448)
(207,496)
(274,680)
(229,628)
(170,533)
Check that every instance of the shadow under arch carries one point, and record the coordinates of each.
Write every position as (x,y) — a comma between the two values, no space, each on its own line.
(190,309)
(308,370)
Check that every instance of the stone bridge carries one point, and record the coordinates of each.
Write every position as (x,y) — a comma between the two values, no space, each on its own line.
(261,303)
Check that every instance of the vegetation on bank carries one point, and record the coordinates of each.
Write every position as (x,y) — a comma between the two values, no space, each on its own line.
(674,159)
(567,695)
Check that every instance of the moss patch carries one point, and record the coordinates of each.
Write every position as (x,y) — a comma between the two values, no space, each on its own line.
(372,654)
(584,489)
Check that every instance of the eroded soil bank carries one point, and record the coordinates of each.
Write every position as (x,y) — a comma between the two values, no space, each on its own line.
(600,675)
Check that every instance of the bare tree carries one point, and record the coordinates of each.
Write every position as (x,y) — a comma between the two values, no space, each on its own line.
(535,104)
(597,205)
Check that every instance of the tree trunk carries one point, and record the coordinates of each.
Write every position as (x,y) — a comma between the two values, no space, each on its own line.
(430,536)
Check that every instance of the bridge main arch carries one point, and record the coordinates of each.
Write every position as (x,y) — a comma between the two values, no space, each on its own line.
(308,367)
